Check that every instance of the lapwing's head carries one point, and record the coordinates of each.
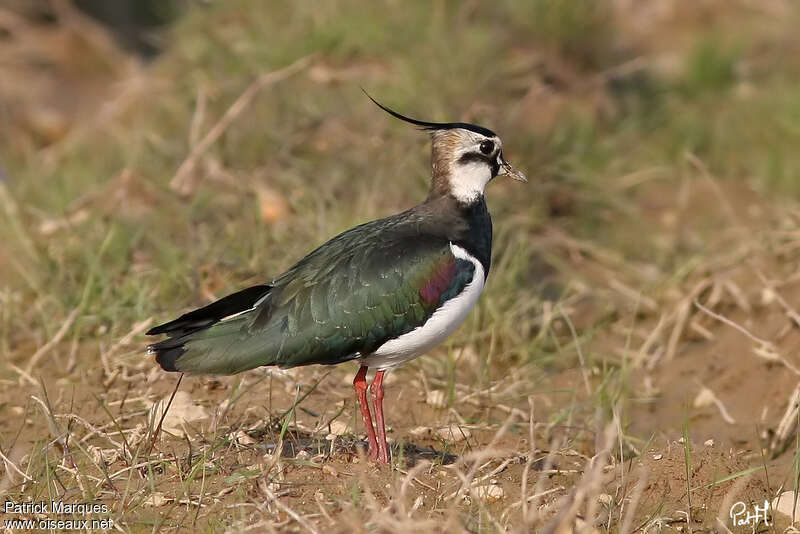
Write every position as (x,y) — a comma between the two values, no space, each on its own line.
(464,157)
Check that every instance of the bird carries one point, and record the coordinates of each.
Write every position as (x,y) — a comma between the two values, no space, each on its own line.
(381,293)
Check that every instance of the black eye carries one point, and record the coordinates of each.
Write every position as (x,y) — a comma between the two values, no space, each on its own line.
(487,147)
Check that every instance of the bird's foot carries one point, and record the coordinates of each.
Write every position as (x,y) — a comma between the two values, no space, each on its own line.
(375,454)
(379,454)
(382,457)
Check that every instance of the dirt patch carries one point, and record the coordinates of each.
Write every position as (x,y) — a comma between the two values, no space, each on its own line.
(666,495)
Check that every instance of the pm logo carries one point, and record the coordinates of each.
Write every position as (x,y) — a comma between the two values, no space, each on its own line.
(741,516)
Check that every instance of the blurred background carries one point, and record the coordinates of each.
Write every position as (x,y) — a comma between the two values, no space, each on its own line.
(150,162)
(101,102)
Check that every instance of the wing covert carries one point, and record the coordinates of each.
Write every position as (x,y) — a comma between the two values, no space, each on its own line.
(331,307)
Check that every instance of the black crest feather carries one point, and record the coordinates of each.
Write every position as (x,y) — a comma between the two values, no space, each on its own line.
(433,126)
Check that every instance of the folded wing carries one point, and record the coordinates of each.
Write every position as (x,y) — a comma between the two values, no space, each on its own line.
(345,299)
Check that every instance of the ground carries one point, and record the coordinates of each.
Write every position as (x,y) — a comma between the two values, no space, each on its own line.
(631,367)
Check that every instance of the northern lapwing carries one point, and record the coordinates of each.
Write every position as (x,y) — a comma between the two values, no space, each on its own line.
(382,293)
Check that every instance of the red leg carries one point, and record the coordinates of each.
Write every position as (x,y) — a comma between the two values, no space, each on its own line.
(360,385)
(377,398)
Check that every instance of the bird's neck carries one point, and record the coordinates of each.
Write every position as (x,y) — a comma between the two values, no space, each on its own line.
(468,225)
(464,181)
(477,239)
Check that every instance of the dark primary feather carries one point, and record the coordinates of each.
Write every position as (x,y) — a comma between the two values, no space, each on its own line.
(362,288)
(214,312)
(168,351)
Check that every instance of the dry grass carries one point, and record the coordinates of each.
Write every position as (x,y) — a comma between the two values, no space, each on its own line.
(632,364)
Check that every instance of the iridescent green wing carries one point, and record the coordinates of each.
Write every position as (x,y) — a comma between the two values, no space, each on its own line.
(334,307)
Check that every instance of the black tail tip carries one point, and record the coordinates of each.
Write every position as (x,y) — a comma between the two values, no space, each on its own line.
(155,330)
(167,358)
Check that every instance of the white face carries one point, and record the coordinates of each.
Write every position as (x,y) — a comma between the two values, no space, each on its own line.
(474,162)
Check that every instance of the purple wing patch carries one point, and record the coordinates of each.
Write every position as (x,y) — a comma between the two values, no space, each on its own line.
(441,277)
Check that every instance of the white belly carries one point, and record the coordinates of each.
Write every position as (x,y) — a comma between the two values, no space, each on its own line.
(441,324)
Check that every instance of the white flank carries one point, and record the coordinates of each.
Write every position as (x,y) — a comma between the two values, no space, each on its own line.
(441,324)
(467,181)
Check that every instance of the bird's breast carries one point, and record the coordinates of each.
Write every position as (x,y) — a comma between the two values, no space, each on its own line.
(437,328)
